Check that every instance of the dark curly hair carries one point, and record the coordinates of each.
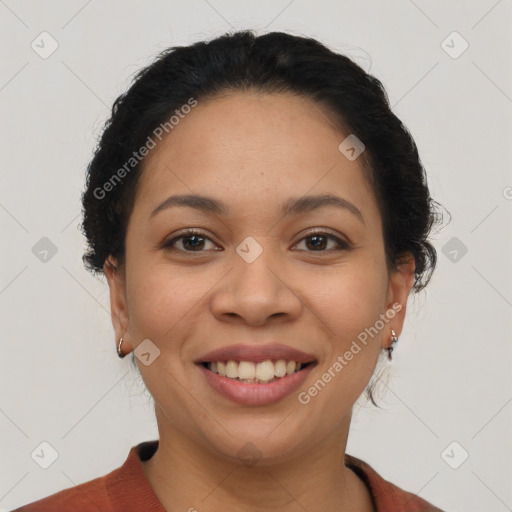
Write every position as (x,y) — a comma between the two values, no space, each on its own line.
(275,62)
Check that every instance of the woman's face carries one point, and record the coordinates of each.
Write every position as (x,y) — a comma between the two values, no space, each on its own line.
(255,275)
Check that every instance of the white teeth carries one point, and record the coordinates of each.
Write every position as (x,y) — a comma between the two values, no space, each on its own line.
(246,370)
(264,371)
(280,368)
(232,370)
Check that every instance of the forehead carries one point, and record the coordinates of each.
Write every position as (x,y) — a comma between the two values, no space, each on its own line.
(245,147)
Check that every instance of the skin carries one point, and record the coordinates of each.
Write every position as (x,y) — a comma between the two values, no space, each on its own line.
(254,151)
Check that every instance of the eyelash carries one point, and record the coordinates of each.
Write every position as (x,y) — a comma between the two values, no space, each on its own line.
(343,246)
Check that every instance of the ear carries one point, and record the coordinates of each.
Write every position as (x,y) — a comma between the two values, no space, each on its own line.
(118,307)
(401,281)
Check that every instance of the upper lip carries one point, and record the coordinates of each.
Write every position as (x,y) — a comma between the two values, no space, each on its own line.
(256,354)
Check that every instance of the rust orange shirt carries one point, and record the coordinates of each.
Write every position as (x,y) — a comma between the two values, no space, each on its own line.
(126,489)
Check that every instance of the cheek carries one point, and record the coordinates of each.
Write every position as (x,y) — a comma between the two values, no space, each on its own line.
(350,304)
(157,304)
(352,298)
(349,307)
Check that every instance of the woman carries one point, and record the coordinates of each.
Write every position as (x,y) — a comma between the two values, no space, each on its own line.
(261,217)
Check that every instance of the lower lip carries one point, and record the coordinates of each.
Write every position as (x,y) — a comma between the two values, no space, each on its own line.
(254,393)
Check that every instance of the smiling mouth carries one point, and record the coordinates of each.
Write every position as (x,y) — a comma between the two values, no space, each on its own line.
(263,372)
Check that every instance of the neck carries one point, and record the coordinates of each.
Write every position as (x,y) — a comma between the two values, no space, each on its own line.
(186,476)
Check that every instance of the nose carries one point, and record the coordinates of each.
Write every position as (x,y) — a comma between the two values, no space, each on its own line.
(253,293)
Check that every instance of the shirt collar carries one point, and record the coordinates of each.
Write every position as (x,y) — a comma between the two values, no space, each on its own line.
(130,487)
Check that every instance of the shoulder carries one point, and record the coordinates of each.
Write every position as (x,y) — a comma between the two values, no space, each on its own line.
(387,496)
(86,497)
(123,489)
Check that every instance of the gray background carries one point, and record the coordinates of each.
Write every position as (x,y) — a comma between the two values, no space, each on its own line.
(61,380)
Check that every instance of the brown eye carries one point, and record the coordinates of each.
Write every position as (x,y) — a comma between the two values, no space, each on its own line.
(319,240)
(191,241)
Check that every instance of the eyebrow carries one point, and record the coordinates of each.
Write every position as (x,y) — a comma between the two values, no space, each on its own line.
(293,206)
